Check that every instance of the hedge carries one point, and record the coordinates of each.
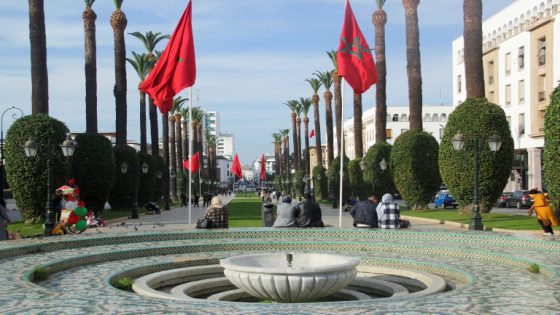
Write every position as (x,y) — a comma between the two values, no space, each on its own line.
(159,184)
(552,147)
(320,182)
(476,118)
(28,176)
(93,165)
(148,180)
(299,184)
(122,195)
(414,165)
(334,179)
(383,179)
(359,189)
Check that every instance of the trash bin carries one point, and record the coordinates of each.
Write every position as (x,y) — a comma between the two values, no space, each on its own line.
(268,214)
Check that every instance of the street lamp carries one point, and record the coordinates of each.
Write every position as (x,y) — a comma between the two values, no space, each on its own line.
(494,142)
(14,116)
(124,170)
(382,165)
(31,149)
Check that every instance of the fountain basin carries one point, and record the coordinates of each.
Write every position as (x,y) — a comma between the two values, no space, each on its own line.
(310,276)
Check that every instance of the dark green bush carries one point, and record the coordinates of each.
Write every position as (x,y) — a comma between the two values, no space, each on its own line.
(476,118)
(334,179)
(40,273)
(122,195)
(319,179)
(414,165)
(93,165)
(383,179)
(534,268)
(124,284)
(552,147)
(28,176)
(357,184)
(299,183)
(159,184)
(148,180)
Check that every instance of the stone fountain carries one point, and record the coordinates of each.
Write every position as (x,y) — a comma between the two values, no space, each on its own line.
(289,278)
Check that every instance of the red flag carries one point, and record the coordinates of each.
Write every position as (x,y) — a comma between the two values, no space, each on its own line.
(195,163)
(263,172)
(176,68)
(236,167)
(355,62)
(312,133)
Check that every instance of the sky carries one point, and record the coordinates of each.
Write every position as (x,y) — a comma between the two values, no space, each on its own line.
(252,57)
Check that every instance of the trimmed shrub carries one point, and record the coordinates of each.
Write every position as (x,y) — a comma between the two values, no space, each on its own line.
(93,168)
(357,184)
(28,176)
(319,180)
(383,179)
(534,268)
(148,180)
(122,196)
(158,188)
(476,118)
(124,284)
(299,184)
(414,165)
(334,179)
(552,147)
(40,273)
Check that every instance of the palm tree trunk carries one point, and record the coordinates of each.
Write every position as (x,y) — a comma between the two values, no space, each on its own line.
(143,141)
(39,73)
(379,20)
(358,144)
(307,158)
(277,159)
(120,82)
(165,132)
(287,155)
(413,64)
(154,128)
(179,136)
(318,147)
(294,140)
(89,18)
(329,123)
(337,86)
(474,73)
(298,142)
(172,158)
(185,145)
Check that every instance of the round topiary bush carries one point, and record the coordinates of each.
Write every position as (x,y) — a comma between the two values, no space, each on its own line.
(159,184)
(552,147)
(476,118)
(28,176)
(93,168)
(319,179)
(383,179)
(357,184)
(122,195)
(299,184)
(148,180)
(334,179)
(414,165)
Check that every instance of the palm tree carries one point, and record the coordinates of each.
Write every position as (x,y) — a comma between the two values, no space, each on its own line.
(211,155)
(142,64)
(196,121)
(337,81)
(277,155)
(286,136)
(118,23)
(472,34)
(305,104)
(39,74)
(316,85)
(293,105)
(358,144)
(185,127)
(177,108)
(413,63)
(89,18)
(150,40)
(379,20)
(165,133)
(298,135)
(326,79)
(177,103)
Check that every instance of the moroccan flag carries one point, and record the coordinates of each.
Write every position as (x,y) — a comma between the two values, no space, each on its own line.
(195,163)
(236,167)
(176,68)
(263,172)
(312,133)
(355,62)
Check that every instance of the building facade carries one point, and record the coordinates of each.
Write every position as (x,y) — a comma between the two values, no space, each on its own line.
(224,170)
(520,72)
(225,145)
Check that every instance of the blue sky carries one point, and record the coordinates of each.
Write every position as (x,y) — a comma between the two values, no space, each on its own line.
(252,56)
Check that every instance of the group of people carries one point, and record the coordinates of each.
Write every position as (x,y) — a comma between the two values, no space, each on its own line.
(371,213)
(305,214)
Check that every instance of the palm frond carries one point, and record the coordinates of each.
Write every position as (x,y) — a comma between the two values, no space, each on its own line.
(118,4)
(292,104)
(150,39)
(325,78)
(305,104)
(315,84)
(141,63)
(380,4)
(89,3)
(178,103)
(332,56)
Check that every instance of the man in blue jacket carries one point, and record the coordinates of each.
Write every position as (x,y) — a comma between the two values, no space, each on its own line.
(364,213)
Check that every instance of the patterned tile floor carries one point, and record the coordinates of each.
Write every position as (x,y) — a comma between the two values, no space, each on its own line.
(495,262)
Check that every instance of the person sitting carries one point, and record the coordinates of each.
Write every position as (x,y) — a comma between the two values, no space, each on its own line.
(364,213)
(286,215)
(309,213)
(216,214)
(545,214)
(388,213)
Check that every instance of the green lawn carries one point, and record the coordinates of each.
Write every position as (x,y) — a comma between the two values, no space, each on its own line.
(26,230)
(493,220)
(245,212)
(109,214)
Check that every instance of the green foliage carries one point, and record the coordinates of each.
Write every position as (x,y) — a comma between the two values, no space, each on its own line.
(278,183)
(383,179)
(476,118)
(334,179)
(319,179)
(124,284)
(148,180)
(534,268)
(158,188)
(414,165)
(122,195)
(552,147)
(357,184)
(28,176)
(40,273)
(299,184)
(93,165)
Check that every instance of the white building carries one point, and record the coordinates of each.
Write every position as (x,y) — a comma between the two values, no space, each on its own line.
(434,121)
(269,163)
(225,145)
(224,170)
(520,72)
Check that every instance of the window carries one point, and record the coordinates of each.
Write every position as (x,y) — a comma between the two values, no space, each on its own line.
(441,133)
(541,52)
(435,117)
(427,117)
(403,117)
(521,57)
(491,72)
(541,120)
(521,124)
(508,95)
(521,91)
(389,133)
(508,64)
(396,117)
(540,88)
(459,84)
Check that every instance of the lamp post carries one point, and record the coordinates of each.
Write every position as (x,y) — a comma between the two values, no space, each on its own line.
(124,170)
(382,165)
(14,116)
(30,149)
(306,179)
(494,142)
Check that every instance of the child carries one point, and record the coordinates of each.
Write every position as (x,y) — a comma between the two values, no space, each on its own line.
(543,209)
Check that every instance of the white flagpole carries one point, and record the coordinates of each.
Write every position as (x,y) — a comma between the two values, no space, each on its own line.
(341,155)
(190,153)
